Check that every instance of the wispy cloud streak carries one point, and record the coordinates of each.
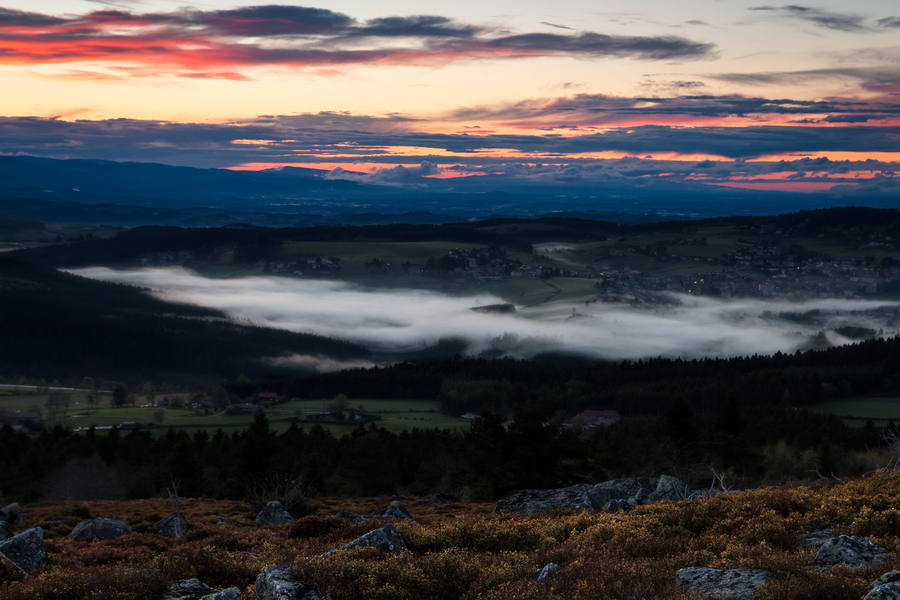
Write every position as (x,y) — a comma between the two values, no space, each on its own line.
(189,42)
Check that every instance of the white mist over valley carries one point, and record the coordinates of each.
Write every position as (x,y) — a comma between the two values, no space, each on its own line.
(392,321)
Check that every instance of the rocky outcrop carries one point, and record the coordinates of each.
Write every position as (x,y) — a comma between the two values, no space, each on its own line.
(393,511)
(612,496)
(815,539)
(384,539)
(99,529)
(194,589)
(733,584)
(547,571)
(12,514)
(173,526)
(25,549)
(354,517)
(851,551)
(276,583)
(533,501)
(886,587)
(274,513)
(446,498)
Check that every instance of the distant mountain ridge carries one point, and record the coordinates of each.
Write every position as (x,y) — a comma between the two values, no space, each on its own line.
(290,195)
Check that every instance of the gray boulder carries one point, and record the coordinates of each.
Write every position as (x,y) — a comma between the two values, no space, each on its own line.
(355,517)
(274,513)
(194,589)
(446,498)
(668,488)
(384,539)
(733,584)
(619,506)
(231,593)
(12,514)
(173,526)
(100,528)
(576,497)
(888,591)
(815,539)
(276,583)
(548,570)
(886,587)
(393,510)
(613,496)
(25,549)
(851,551)
(6,531)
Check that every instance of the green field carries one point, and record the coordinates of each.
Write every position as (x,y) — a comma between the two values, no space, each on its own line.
(857,410)
(396,415)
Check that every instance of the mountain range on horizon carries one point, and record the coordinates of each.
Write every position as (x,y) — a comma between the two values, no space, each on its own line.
(132,193)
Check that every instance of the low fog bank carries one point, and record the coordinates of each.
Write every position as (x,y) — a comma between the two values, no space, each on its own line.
(397,322)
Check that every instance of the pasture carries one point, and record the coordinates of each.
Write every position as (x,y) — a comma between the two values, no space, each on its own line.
(396,415)
(857,410)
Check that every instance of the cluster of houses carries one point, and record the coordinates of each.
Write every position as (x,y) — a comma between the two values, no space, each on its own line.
(589,420)
(22,420)
(246,408)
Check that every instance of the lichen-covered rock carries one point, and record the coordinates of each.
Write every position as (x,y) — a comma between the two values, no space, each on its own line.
(100,528)
(194,589)
(355,517)
(190,589)
(274,513)
(393,510)
(276,583)
(613,496)
(851,551)
(576,497)
(173,526)
(668,488)
(25,549)
(888,591)
(816,538)
(6,531)
(231,593)
(548,570)
(889,577)
(733,584)
(384,539)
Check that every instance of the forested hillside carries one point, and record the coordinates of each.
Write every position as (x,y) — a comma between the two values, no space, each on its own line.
(55,325)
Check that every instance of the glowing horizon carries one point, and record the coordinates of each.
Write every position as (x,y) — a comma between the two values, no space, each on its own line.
(472,90)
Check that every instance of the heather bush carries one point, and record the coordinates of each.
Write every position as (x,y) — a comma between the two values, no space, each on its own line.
(621,556)
(314,526)
(213,566)
(8,571)
(107,583)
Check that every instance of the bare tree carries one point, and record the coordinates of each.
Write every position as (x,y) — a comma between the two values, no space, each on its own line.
(286,488)
(891,438)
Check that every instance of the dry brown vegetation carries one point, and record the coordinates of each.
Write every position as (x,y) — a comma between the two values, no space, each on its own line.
(470,553)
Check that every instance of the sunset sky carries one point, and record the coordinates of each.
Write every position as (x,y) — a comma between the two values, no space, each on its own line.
(738,92)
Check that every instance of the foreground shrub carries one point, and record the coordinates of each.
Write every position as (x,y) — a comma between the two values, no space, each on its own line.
(364,574)
(104,583)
